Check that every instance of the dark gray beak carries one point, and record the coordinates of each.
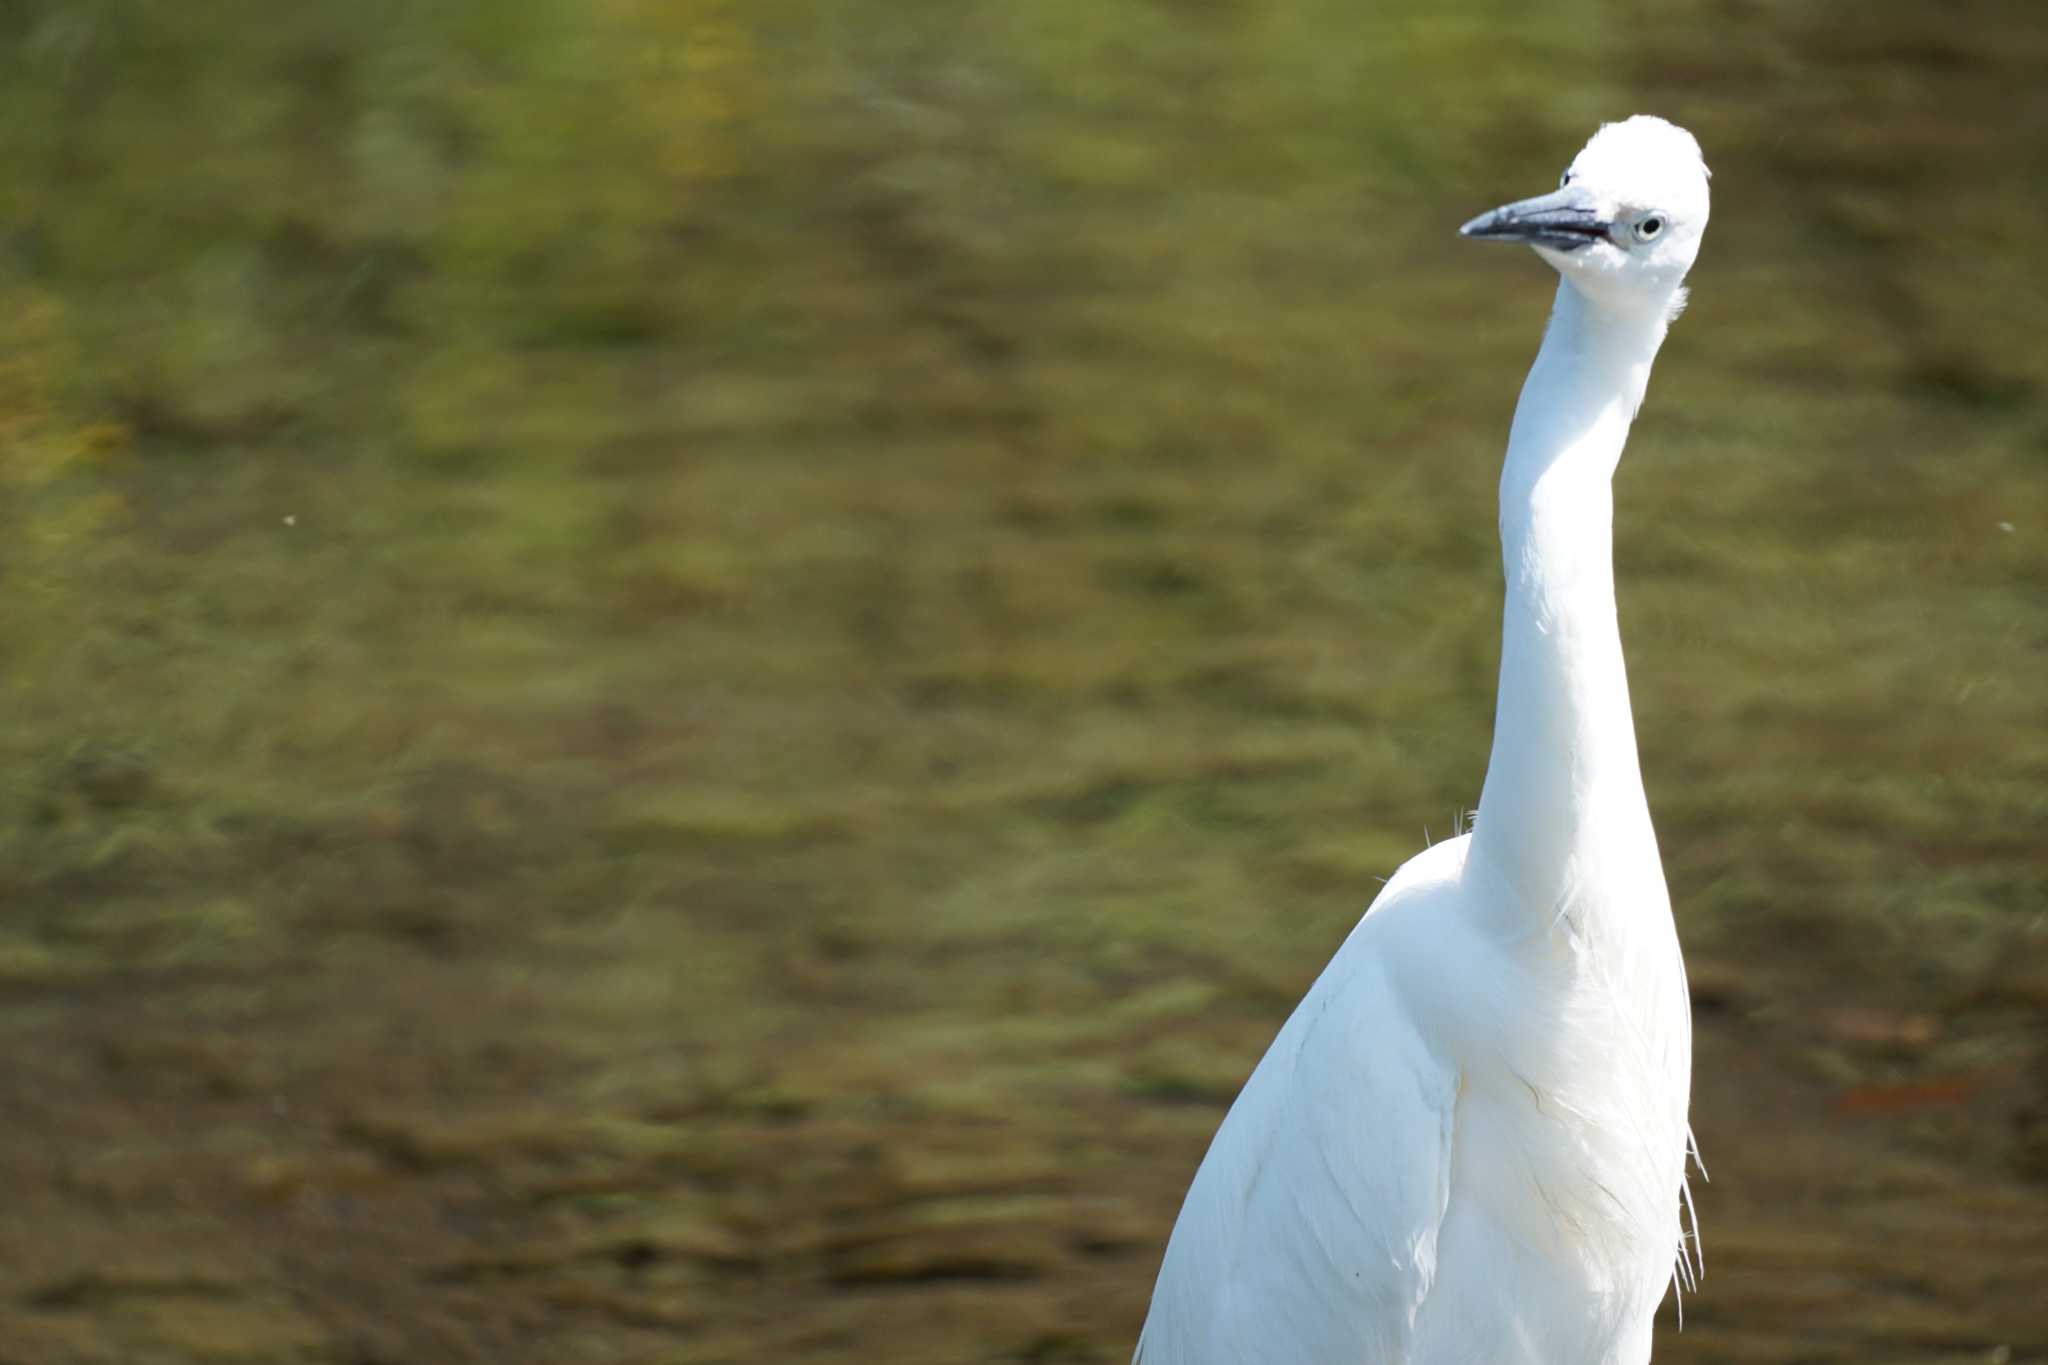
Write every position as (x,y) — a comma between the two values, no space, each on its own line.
(1564,221)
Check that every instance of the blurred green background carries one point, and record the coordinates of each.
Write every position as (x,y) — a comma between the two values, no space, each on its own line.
(689,680)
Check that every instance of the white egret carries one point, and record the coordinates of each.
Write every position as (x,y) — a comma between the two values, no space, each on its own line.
(1467,1146)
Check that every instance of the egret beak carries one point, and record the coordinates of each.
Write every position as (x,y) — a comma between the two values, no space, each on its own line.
(1565,221)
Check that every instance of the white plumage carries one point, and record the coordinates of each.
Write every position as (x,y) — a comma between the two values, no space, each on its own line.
(1468,1144)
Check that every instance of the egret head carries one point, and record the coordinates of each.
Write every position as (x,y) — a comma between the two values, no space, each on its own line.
(1625,221)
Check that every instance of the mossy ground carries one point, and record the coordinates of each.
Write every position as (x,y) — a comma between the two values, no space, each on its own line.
(689,682)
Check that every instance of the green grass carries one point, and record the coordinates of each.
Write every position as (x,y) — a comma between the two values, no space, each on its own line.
(689,682)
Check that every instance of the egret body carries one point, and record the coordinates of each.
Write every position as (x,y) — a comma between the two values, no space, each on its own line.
(1468,1143)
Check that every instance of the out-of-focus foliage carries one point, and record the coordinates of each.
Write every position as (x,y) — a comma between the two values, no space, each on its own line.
(689,679)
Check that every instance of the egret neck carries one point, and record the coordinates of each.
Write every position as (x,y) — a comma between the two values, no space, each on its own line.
(1563,796)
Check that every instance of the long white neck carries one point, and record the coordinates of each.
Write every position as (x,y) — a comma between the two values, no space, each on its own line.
(1564,793)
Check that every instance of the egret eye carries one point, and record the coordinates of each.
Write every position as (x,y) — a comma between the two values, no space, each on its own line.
(1565,179)
(1649,228)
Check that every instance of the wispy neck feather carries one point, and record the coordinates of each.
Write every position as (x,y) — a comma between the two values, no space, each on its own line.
(1564,793)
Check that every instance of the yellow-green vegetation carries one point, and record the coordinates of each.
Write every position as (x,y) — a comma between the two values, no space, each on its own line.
(688,680)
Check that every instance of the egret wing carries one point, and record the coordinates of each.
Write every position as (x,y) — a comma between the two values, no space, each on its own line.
(1310,1232)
